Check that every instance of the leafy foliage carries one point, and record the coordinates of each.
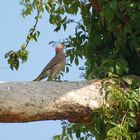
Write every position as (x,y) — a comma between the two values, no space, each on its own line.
(14,56)
(71,131)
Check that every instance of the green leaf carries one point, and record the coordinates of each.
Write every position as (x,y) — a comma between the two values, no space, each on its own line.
(69,64)
(67,69)
(47,6)
(14,63)
(7,54)
(127,79)
(71,58)
(108,13)
(121,66)
(57,137)
(23,55)
(38,34)
(64,26)
(52,19)
(131,105)
(57,28)
(113,4)
(132,122)
(67,2)
(132,114)
(76,60)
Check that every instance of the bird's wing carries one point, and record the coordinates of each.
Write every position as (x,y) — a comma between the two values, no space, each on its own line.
(54,61)
(47,69)
(54,64)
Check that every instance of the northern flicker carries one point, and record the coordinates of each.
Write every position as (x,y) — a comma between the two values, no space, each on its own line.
(55,66)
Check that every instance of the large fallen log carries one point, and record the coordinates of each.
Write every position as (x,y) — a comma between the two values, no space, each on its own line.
(34,101)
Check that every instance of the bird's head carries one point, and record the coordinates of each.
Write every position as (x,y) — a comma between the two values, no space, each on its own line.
(59,48)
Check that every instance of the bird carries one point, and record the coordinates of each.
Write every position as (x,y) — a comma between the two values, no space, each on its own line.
(55,66)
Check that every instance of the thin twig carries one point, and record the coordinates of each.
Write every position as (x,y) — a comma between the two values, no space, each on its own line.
(34,27)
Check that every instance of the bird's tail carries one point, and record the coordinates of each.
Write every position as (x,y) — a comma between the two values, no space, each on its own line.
(39,78)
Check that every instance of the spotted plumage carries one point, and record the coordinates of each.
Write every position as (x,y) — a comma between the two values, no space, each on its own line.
(55,66)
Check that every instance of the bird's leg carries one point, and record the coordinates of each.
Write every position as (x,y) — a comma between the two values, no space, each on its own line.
(57,78)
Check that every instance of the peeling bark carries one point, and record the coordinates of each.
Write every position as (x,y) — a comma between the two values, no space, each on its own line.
(34,101)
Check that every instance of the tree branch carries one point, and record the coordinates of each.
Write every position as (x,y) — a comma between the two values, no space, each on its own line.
(34,101)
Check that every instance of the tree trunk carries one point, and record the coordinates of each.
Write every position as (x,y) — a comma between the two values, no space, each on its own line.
(34,101)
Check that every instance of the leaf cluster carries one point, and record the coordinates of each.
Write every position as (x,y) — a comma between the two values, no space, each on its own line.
(72,131)
(15,57)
